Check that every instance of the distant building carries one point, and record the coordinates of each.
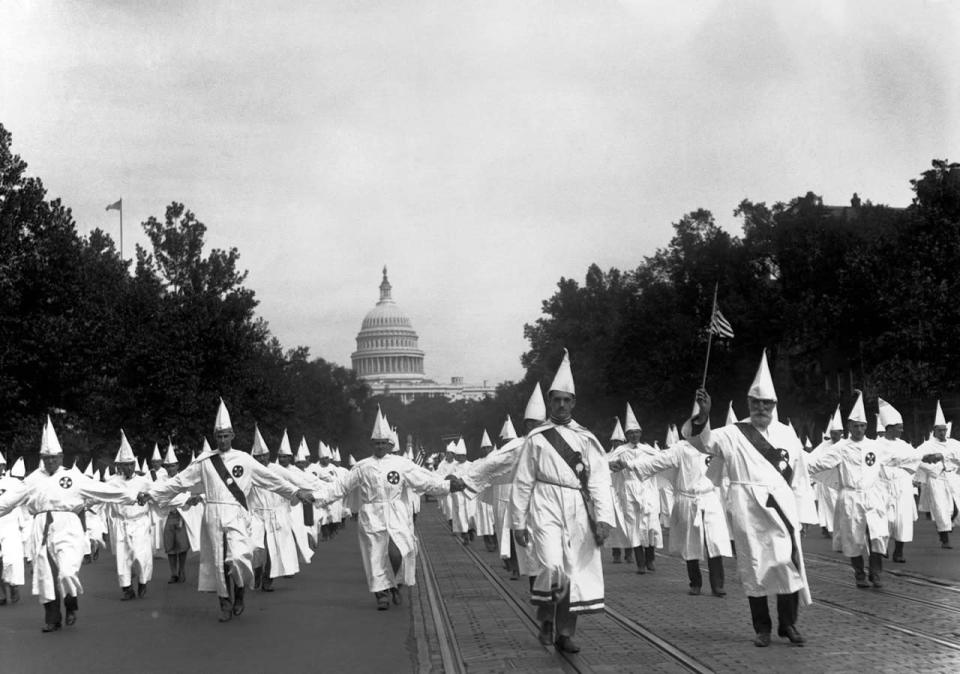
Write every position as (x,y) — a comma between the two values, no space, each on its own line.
(389,360)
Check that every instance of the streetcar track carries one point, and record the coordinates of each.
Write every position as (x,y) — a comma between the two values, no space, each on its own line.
(905,576)
(850,611)
(450,654)
(625,623)
(889,593)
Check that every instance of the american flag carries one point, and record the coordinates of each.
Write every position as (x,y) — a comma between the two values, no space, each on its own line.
(719,325)
(421,456)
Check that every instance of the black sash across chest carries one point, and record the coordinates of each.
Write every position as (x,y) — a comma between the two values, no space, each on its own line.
(778,458)
(217,462)
(577,464)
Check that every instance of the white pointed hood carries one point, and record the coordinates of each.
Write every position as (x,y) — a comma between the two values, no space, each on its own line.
(351,461)
(762,386)
(285,449)
(259,445)
(939,421)
(303,454)
(618,432)
(88,471)
(171,457)
(156,453)
(222,422)
(381,429)
(125,453)
(336,455)
(889,415)
(536,407)
(731,415)
(507,431)
(630,422)
(460,449)
(485,440)
(836,421)
(19,468)
(3,459)
(49,443)
(324,452)
(563,380)
(858,414)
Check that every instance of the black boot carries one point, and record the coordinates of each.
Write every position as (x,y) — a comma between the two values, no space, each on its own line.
(696,578)
(858,573)
(616,560)
(876,567)
(627,555)
(898,552)
(51,616)
(128,593)
(383,600)
(72,606)
(715,567)
(226,609)
(650,554)
(945,540)
(238,600)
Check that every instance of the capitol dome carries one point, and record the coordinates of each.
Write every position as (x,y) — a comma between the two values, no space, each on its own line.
(387,344)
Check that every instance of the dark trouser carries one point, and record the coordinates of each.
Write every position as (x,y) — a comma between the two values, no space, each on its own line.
(51,609)
(787,607)
(564,622)
(714,568)
(897,550)
(944,536)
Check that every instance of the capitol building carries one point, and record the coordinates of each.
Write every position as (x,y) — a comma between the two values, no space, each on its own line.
(389,360)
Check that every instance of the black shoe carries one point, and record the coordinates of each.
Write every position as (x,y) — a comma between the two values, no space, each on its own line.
(861,579)
(396,596)
(51,627)
(383,602)
(641,570)
(226,609)
(825,533)
(946,546)
(546,633)
(791,633)
(14,594)
(128,594)
(719,592)
(142,590)
(71,617)
(267,584)
(762,640)
(238,600)
(566,644)
(694,590)
(875,580)
(173,579)
(899,560)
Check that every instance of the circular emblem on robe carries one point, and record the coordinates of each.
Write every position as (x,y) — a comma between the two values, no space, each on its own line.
(237,471)
(66,482)
(870,458)
(393,477)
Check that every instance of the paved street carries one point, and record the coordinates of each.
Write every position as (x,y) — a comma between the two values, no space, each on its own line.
(324,619)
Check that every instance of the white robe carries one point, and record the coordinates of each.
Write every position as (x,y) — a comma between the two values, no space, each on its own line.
(698,524)
(863,496)
(547,502)
(636,501)
(384,513)
(825,489)
(225,535)
(11,541)
(765,540)
(462,509)
(272,531)
(58,539)
(133,542)
(902,509)
(939,481)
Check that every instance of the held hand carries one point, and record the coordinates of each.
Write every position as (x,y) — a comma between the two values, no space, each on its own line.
(143,498)
(305,496)
(194,500)
(522,537)
(617,465)
(703,400)
(456,484)
(603,531)
(932,458)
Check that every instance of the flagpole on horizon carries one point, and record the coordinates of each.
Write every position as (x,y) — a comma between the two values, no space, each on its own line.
(118,206)
(713,311)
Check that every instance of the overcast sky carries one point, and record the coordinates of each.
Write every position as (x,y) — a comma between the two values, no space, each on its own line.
(480,150)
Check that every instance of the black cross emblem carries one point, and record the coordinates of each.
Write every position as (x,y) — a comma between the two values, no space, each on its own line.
(237,471)
(393,477)
(66,482)
(870,458)
(708,460)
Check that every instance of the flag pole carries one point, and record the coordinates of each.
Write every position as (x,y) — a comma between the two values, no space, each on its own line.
(121,231)
(713,311)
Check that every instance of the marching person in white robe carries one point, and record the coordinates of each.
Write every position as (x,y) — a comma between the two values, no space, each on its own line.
(861,525)
(305,540)
(225,477)
(939,479)
(462,509)
(561,506)
(11,542)
(275,550)
(179,524)
(133,533)
(636,499)
(387,541)
(698,524)
(902,510)
(764,460)
(826,486)
(485,519)
(53,497)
